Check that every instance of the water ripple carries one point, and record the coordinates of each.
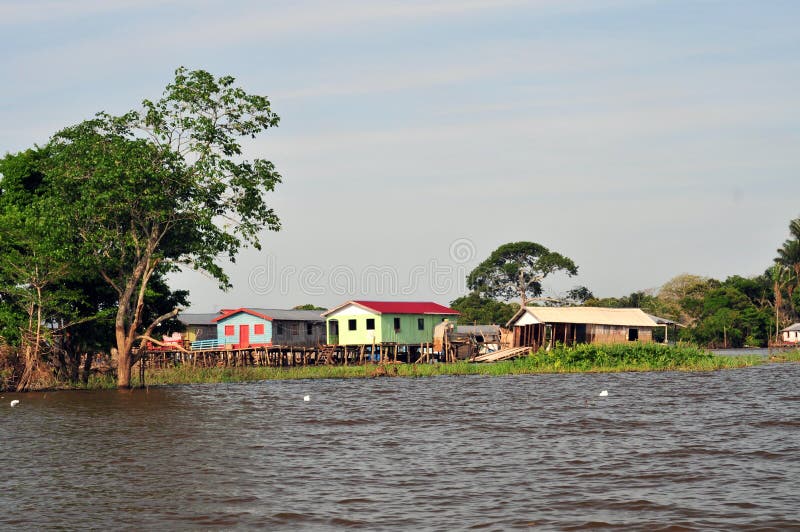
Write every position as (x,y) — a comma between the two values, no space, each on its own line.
(664,451)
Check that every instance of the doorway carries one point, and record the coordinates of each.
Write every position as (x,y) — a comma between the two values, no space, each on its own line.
(244,336)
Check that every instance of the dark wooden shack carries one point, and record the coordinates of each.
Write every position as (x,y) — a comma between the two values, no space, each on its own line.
(296,328)
(199,326)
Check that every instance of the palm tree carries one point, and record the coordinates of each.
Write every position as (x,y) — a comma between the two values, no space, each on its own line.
(789,254)
(780,279)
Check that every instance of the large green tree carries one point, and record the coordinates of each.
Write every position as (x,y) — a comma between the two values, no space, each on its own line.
(34,263)
(517,269)
(160,187)
(54,310)
(729,318)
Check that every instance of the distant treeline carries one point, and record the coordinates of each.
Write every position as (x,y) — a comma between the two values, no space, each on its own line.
(735,312)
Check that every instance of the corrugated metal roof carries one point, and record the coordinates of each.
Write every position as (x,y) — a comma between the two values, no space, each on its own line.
(272,314)
(399,307)
(794,327)
(478,329)
(197,319)
(664,321)
(406,307)
(297,315)
(594,315)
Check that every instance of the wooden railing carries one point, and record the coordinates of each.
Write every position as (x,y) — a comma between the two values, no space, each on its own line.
(211,343)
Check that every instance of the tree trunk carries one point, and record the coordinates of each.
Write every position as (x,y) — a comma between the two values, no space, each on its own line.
(124,358)
(124,370)
(87,368)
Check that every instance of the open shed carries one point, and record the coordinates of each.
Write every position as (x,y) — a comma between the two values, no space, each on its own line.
(537,326)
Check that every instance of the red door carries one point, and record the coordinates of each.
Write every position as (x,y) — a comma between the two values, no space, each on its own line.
(244,336)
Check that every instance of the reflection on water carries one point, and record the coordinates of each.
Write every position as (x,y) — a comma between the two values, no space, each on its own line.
(712,450)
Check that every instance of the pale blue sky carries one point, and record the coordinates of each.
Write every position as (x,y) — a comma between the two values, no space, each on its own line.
(642,138)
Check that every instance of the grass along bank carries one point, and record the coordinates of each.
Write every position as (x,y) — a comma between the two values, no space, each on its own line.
(585,358)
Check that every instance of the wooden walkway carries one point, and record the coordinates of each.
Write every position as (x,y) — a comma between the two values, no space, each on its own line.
(288,356)
(503,354)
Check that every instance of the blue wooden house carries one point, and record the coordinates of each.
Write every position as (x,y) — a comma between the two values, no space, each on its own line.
(242,328)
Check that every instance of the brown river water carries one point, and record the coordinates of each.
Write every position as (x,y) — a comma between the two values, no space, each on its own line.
(666,450)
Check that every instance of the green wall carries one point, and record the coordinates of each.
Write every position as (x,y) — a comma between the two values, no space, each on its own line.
(361,336)
(409,332)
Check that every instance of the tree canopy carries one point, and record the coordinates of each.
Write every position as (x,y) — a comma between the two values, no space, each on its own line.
(517,269)
(138,195)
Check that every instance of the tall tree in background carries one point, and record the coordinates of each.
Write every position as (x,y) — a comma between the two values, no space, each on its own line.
(517,269)
(789,255)
(148,191)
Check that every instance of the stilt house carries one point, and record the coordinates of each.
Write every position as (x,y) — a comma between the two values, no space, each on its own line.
(377,322)
(199,326)
(537,326)
(256,327)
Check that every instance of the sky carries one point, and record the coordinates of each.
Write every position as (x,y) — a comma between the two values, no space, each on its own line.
(641,138)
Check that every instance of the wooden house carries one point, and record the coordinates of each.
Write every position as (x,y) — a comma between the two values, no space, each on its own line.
(296,328)
(537,326)
(199,326)
(377,322)
(791,334)
(242,328)
(256,327)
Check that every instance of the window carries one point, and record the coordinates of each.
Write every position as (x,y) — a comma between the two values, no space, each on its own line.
(633,335)
(294,329)
(421,324)
(279,329)
(229,330)
(397,325)
(309,329)
(351,325)
(370,324)
(258,328)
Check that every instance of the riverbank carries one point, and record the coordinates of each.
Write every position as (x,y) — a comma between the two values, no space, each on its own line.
(578,359)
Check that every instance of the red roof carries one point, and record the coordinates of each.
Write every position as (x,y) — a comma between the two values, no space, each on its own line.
(226,313)
(406,307)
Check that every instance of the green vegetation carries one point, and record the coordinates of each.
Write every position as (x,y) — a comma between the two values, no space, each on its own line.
(92,221)
(579,359)
(308,306)
(736,312)
(517,269)
(483,310)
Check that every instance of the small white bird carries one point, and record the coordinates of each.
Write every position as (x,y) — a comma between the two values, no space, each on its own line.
(604,393)
(306,398)
(14,403)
